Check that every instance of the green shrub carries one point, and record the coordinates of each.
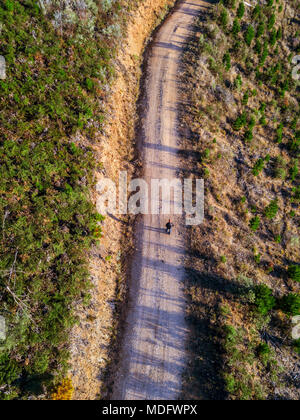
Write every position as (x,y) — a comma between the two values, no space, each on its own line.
(271,210)
(256,11)
(245,98)
(264,353)
(290,304)
(294,170)
(236,27)
(240,122)
(264,299)
(296,345)
(255,223)
(294,272)
(271,21)
(249,35)
(260,29)
(241,10)
(224,19)
(248,137)
(227,61)
(9,369)
(258,167)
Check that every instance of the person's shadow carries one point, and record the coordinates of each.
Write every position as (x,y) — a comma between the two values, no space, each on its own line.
(153,229)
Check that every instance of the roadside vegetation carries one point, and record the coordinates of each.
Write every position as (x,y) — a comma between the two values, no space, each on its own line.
(59,67)
(241,133)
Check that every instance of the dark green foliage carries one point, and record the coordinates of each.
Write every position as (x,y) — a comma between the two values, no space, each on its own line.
(279,133)
(260,29)
(258,47)
(254,223)
(294,170)
(256,11)
(241,10)
(271,22)
(296,345)
(294,272)
(290,304)
(236,27)
(245,98)
(271,210)
(273,38)
(249,35)
(9,369)
(224,18)
(264,353)
(264,299)
(238,82)
(240,122)
(227,61)
(258,167)
(279,33)
(248,136)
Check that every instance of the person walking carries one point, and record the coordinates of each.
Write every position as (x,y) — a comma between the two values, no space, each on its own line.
(169,226)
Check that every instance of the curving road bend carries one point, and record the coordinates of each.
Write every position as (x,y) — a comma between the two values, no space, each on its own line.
(153,349)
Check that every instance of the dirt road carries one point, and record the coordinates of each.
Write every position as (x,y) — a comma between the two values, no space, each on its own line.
(153,350)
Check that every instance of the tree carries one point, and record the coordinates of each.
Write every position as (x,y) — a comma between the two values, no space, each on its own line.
(294,272)
(224,18)
(249,35)
(290,304)
(245,98)
(271,210)
(264,299)
(227,61)
(271,22)
(254,223)
(236,27)
(273,38)
(241,10)
(258,167)
(256,11)
(260,29)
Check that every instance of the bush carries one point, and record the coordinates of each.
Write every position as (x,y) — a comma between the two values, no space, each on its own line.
(264,299)
(290,304)
(271,21)
(227,61)
(255,223)
(294,272)
(258,167)
(224,18)
(241,10)
(264,353)
(240,122)
(271,210)
(9,369)
(260,29)
(236,27)
(296,345)
(245,98)
(249,35)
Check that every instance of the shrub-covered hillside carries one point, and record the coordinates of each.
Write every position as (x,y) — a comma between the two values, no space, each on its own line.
(243,125)
(58,69)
